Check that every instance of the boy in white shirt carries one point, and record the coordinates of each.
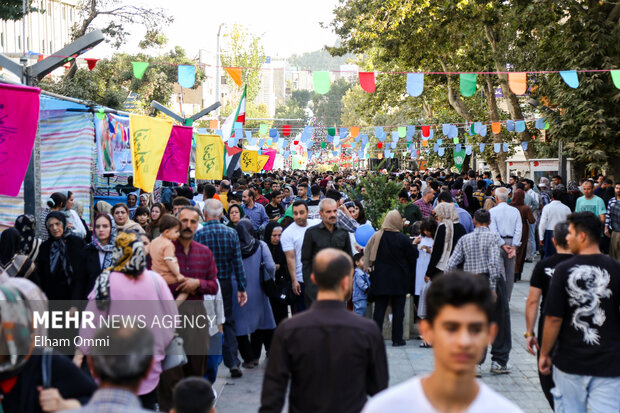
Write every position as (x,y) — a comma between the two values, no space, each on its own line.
(458,326)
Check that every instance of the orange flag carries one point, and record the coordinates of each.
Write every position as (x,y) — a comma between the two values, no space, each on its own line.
(235,73)
(424,143)
(518,82)
(496,127)
(354,131)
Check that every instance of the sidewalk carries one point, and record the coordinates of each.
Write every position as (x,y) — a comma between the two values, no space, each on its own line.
(521,385)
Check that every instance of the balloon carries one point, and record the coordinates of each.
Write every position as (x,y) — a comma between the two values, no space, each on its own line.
(363,234)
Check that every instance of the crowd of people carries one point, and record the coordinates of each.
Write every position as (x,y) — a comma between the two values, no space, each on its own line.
(276,261)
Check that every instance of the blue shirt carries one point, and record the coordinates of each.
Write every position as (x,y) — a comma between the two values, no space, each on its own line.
(257,215)
(465,219)
(361,283)
(224,244)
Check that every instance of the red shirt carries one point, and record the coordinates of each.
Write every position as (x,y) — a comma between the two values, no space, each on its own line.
(199,264)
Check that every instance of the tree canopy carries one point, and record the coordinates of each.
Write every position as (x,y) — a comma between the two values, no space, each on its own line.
(493,36)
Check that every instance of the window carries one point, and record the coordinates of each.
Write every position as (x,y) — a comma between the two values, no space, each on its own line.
(2,39)
(42,46)
(19,42)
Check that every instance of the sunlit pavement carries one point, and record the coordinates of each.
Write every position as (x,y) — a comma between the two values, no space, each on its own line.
(521,385)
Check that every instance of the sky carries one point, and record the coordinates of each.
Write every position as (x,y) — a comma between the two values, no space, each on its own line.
(286,26)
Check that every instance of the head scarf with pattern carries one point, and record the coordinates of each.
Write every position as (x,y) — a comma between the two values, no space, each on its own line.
(128,258)
(449,215)
(58,249)
(107,249)
(393,222)
(28,242)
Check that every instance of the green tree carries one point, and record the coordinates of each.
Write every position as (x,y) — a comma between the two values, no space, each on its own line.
(295,108)
(380,196)
(329,107)
(244,49)
(112,80)
(13,9)
(319,60)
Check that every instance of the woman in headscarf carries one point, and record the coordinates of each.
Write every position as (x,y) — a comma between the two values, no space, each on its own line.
(255,318)
(56,202)
(157,211)
(273,232)
(472,202)
(19,248)
(59,260)
(125,282)
(23,368)
(132,203)
(449,232)
(102,207)
(9,243)
(573,193)
(97,256)
(390,258)
(74,220)
(527,218)
(235,214)
(120,213)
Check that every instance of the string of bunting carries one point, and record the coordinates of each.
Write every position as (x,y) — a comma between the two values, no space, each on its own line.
(517,81)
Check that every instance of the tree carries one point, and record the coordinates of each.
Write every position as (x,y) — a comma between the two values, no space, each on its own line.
(329,107)
(493,36)
(244,49)
(319,60)
(380,196)
(295,108)
(112,80)
(13,9)
(117,17)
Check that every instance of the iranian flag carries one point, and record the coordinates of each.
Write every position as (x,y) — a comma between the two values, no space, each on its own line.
(236,120)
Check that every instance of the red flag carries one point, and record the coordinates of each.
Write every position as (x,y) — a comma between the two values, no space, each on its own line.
(426,131)
(367,81)
(286,130)
(91,63)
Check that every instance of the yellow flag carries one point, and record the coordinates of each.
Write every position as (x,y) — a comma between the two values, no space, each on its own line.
(249,161)
(149,137)
(209,157)
(262,161)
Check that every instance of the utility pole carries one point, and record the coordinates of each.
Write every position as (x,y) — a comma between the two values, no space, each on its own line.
(37,71)
(217,70)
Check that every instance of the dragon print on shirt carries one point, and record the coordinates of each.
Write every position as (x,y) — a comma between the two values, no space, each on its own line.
(586,286)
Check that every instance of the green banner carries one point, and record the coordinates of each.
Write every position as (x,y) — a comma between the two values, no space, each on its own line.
(459,159)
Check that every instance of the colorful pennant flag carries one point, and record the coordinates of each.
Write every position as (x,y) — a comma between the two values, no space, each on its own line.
(468,84)
(139,68)
(187,76)
(149,137)
(615,77)
(249,161)
(367,81)
(496,127)
(91,63)
(286,130)
(415,84)
(570,77)
(321,81)
(235,74)
(518,82)
(262,161)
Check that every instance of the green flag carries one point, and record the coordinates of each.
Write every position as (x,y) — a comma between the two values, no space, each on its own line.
(468,84)
(459,159)
(139,68)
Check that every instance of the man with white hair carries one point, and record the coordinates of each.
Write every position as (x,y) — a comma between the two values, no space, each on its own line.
(224,244)
(426,202)
(505,221)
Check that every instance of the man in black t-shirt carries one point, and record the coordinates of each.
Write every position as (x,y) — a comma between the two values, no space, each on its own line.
(539,285)
(582,312)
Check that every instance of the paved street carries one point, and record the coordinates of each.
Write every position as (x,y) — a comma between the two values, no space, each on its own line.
(521,385)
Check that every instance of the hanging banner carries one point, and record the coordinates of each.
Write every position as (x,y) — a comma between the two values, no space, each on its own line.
(459,159)
(262,161)
(19,116)
(113,146)
(249,161)
(175,162)
(149,137)
(272,158)
(209,157)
